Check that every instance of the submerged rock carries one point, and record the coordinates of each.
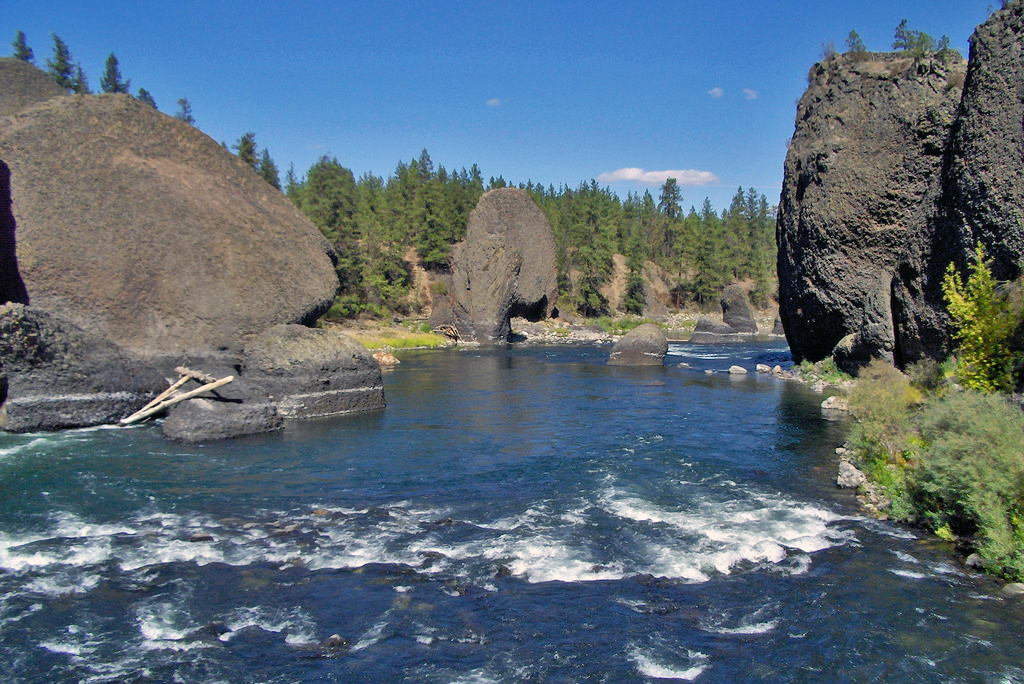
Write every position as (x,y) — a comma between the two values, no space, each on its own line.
(506,267)
(645,345)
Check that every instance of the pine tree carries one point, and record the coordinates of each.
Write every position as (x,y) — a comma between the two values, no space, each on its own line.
(60,67)
(21,49)
(184,112)
(146,98)
(112,82)
(246,148)
(80,86)
(268,169)
(854,44)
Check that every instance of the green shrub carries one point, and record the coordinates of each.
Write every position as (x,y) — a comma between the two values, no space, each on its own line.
(971,479)
(984,325)
(825,371)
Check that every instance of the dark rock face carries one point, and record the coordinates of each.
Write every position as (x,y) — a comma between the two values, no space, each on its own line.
(866,153)
(986,174)
(142,229)
(309,372)
(61,376)
(12,289)
(204,420)
(506,267)
(645,345)
(888,181)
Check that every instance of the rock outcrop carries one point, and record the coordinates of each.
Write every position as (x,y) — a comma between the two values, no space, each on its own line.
(204,420)
(737,324)
(62,376)
(896,168)
(645,345)
(310,372)
(142,229)
(506,267)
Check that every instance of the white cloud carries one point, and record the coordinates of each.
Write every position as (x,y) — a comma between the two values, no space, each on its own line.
(716,92)
(641,177)
(750,94)
(493,102)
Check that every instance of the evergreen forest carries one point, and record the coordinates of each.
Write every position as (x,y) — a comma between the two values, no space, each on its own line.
(382,227)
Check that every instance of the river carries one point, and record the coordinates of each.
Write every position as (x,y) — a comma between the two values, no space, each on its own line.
(515,515)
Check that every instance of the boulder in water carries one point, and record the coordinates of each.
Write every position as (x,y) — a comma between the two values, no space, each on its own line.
(645,345)
(204,420)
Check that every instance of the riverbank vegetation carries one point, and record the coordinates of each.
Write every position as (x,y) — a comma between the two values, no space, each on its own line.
(943,445)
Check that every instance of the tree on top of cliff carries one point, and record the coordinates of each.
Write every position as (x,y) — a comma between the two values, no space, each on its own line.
(61,68)
(184,112)
(917,43)
(854,44)
(112,81)
(21,49)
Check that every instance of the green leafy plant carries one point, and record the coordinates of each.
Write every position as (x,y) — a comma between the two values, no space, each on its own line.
(984,326)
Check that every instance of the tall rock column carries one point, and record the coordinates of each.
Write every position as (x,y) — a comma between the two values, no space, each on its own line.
(506,267)
(865,158)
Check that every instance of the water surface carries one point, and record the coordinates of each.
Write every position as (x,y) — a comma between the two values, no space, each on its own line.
(519,515)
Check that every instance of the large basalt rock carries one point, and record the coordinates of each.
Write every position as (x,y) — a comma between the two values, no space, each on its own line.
(865,159)
(142,229)
(505,268)
(645,345)
(308,372)
(891,177)
(62,376)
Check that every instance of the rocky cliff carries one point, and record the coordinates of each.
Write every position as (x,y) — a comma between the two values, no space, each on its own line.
(897,166)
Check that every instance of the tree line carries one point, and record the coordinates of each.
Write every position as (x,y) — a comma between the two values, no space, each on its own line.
(69,74)
(374,222)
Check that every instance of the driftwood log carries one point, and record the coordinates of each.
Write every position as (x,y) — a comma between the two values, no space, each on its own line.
(172,395)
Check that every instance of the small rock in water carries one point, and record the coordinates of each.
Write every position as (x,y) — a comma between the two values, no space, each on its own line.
(708,371)
(201,537)
(335,641)
(1014,589)
(849,476)
(385,358)
(763,368)
(835,403)
(737,370)
(974,562)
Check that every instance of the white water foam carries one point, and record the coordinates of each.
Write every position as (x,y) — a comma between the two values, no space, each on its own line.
(649,665)
(715,536)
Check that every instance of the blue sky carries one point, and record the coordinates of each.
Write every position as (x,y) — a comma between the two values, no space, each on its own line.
(554,92)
